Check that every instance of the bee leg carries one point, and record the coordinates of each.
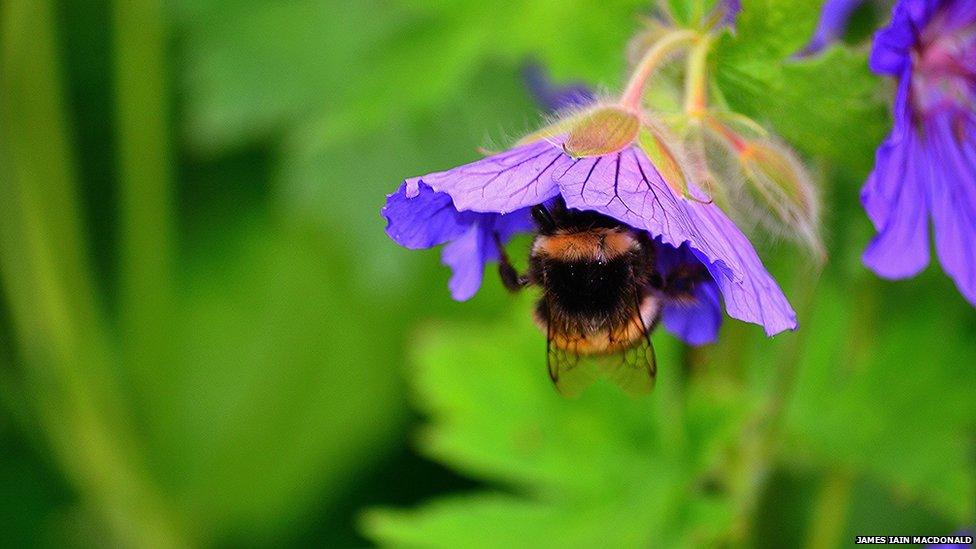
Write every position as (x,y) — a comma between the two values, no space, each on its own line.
(543,218)
(512,281)
(656,281)
(682,283)
(647,263)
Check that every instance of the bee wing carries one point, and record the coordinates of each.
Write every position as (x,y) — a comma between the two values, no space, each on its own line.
(634,370)
(567,370)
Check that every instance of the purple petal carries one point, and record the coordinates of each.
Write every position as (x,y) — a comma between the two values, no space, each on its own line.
(508,225)
(466,258)
(626,186)
(928,162)
(468,254)
(724,14)
(518,178)
(901,110)
(550,96)
(731,9)
(833,23)
(429,219)
(756,298)
(953,189)
(966,544)
(623,185)
(895,198)
(958,15)
(696,323)
(891,51)
(424,221)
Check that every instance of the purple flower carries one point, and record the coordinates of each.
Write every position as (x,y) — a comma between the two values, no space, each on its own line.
(697,321)
(494,193)
(723,14)
(927,164)
(728,12)
(550,96)
(833,23)
(429,219)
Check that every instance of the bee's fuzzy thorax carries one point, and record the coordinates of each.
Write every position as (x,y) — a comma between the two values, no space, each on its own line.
(598,244)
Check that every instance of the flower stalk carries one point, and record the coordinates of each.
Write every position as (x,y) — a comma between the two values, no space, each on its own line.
(652,59)
(696,77)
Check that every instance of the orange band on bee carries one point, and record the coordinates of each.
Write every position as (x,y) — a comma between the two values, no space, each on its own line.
(611,340)
(595,244)
(603,342)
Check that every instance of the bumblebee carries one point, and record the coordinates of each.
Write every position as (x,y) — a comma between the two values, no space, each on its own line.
(601,296)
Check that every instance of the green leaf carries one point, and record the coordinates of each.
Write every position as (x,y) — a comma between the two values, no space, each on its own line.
(682,467)
(893,398)
(604,468)
(351,68)
(829,106)
(275,359)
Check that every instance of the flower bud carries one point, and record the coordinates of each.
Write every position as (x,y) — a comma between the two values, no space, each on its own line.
(756,178)
(780,182)
(556,127)
(777,188)
(602,130)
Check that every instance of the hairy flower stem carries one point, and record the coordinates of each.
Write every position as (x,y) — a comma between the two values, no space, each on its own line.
(735,140)
(696,76)
(634,92)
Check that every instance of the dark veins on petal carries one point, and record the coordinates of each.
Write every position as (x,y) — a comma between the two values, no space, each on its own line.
(501,183)
(627,187)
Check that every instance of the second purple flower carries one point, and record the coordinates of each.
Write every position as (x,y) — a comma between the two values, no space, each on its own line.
(926,168)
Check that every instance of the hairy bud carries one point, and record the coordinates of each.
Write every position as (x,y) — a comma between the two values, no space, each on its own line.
(756,178)
(780,182)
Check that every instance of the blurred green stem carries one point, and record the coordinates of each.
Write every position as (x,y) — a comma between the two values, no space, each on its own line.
(61,334)
(829,516)
(145,201)
(672,399)
(759,448)
(830,511)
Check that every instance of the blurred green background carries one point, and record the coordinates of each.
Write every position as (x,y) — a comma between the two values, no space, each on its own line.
(206,339)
